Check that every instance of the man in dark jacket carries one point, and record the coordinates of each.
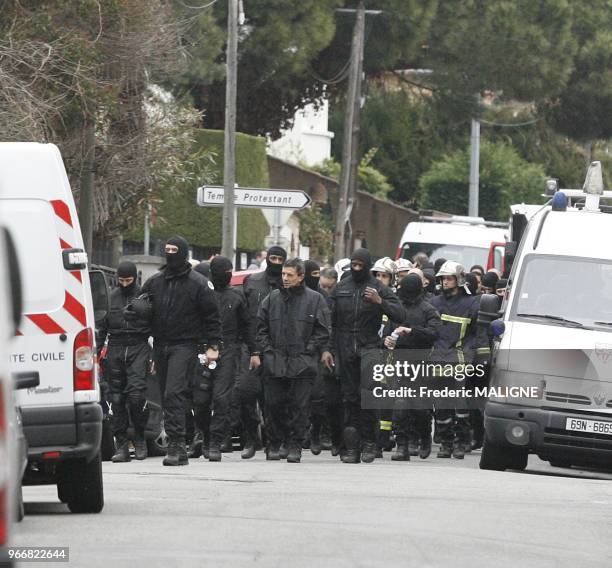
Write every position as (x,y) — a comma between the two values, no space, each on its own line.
(358,303)
(460,341)
(293,333)
(417,332)
(127,364)
(250,383)
(216,387)
(186,322)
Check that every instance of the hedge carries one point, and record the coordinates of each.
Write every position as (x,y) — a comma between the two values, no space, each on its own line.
(201,226)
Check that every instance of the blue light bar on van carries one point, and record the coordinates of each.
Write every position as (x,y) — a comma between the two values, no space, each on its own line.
(559,201)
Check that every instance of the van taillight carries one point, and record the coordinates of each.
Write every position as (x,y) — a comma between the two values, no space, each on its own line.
(398,254)
(3,470)
(84,361)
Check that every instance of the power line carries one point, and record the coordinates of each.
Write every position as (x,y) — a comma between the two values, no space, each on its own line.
(526,123)
(197,7)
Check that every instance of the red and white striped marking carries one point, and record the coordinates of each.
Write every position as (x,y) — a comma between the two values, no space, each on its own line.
(71,317)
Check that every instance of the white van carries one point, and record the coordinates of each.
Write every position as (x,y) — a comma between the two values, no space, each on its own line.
(466,240)
(555,338)
(62,417)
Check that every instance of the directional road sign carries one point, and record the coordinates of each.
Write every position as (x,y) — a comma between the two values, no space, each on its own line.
(212,196)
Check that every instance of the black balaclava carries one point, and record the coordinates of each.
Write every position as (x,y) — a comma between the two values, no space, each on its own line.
(127,269)
(489,280)
(438,264)
(410,288)
(362,255)
(203,268)
(311,281)
(472,283)
(177,261)
(430,274)
(275,270)
(221,271)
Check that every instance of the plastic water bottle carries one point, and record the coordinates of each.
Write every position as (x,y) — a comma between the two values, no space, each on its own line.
(394,337)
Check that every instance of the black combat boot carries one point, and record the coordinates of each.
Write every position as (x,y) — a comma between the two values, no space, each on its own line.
(413,446)
(195,448)
(123,453)
(368,453)
(140,448)
(248,450)
(401,453)
(315,444)
(425,449)
(459,450)
(182,453)
(445,450)
(172,457)
(295,454)
(352,454)
(283,451)
(214,453)
(272,454)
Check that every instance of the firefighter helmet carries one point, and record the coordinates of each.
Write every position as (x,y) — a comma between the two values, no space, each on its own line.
(403,265)
(452,268)
(384,264)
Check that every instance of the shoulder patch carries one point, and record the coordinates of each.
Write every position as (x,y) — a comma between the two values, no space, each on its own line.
(211,285)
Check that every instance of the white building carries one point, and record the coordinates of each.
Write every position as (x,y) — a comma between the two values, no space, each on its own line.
(308,141)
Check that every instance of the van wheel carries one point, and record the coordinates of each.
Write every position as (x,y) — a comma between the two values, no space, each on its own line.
(517,458)
(107,446)
(63,492)
(86,494)
(492,457)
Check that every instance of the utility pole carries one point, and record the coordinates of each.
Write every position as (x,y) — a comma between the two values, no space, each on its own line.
(352,107)
(228,245)
(474,167)
(350,141)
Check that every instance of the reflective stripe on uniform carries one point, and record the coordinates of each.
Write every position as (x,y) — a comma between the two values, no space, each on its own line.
(483,350)
(386,424)
(447,421)
(463,322)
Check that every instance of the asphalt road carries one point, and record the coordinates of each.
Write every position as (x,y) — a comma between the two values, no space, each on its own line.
(323,513)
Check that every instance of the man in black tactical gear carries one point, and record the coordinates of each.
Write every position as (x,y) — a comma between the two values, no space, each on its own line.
(358,303)
(312,274)
(293,333)
(186,321)
(216,386)
(127,363)
(250,383)
(417,332)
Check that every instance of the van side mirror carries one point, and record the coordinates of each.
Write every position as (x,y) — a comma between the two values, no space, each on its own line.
(100,295)
(14,279)
(489,308)
(28,380)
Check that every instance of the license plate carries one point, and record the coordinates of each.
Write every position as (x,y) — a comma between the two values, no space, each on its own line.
(592,426)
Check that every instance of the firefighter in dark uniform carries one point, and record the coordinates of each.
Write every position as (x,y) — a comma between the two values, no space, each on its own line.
(249,385)
(358,304)
(417,332)
(186,321)
(127,363)
(293,333)
(461,341)
(215,387)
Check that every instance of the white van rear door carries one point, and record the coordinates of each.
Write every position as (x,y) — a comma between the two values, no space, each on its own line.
(53,299)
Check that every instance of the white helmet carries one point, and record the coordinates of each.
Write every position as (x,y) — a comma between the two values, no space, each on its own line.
(342,266)
(384,264)
(403,265)
(452,268)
